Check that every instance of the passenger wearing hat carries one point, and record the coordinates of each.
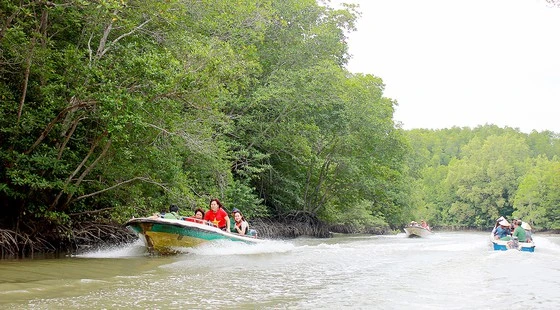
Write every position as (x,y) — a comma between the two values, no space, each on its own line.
(502,231)
(497,224)
(528,231)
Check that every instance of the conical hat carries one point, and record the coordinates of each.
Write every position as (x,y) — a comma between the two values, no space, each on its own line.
(504,223)
(526,226)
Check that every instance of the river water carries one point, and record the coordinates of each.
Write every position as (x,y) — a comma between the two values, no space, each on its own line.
(445,271)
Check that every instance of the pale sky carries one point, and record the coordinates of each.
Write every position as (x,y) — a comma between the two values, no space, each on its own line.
(463,63)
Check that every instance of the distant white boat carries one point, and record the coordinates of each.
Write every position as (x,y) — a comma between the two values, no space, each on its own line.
(417,231)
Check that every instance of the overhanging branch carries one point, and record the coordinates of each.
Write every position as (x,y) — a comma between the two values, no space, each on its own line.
(147,180)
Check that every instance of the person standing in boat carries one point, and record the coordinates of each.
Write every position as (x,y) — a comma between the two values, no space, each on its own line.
(217,215)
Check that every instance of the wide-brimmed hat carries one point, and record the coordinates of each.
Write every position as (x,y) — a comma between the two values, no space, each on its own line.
(504,223)
(526,226)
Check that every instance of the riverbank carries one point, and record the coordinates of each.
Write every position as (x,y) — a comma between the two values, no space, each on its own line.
(61,239)
(85,236)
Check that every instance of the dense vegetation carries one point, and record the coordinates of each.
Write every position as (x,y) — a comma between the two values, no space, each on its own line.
(112,109)
(468,177)
(116,108)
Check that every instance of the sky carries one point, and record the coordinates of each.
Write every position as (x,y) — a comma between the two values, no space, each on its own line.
(463,63)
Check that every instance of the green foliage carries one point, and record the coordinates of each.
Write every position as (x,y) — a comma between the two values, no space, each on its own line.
(537,200)
(243,197)
(359,217)
(121,108)
(487,172)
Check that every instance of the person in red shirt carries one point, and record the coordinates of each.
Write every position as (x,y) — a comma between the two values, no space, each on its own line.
(198,216)
(217,215)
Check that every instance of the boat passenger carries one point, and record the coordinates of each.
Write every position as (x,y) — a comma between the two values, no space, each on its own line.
(502,231)
(232,220)
(513,221)
(217,215)
(497,225)
(528,231)
(173,213)
(198,216)
(519,232)
(517,236)
(241,226)
(425,225)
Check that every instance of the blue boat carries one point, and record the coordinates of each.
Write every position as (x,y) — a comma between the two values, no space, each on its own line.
(502,245)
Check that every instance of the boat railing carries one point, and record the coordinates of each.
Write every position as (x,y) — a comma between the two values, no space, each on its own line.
(252,233)
(199,221)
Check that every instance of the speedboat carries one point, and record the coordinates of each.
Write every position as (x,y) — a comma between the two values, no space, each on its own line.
(504,245)
(167,236)
(417,231)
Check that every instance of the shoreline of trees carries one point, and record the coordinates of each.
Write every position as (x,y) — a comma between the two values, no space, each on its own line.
(112,109)
(470,177)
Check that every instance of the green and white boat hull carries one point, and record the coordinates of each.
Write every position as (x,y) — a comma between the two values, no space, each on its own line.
(165,236)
